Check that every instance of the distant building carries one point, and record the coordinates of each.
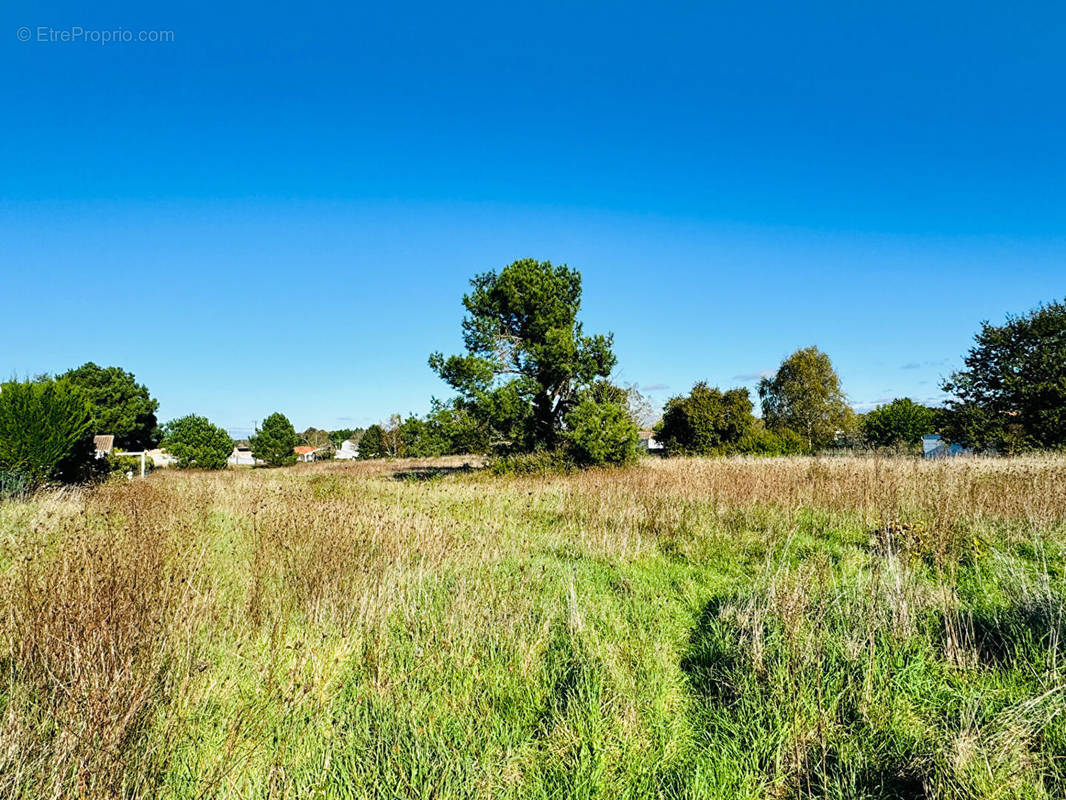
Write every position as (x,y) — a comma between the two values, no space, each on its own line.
(935,447)
(306,452)
(161,458)
(103,445)
(242,456)
(648,442)
(348,450)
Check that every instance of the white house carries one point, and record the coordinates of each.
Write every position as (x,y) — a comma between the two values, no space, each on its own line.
(649,444)
(242,456)
(348,450)
(305,452)
(161,458)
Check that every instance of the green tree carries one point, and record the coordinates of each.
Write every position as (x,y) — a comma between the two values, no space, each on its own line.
(196,443)
(419,439)
(274,442)
(1012,392)
(901,422)
(459,426)
(600,433)
(805,396)
(521,330)
(506,415)
(45,431)
(706,421)
(118,405)
(372,445)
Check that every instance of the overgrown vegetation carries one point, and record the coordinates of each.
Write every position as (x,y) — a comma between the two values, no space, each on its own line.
(685,628)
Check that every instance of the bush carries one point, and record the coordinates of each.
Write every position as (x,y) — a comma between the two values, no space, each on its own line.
(274,442)
(120,465)
(760,442)
(44,433)
(600,433)
(195,442)
(706,421)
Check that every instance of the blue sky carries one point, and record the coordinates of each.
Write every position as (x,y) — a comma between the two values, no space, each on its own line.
(280,208)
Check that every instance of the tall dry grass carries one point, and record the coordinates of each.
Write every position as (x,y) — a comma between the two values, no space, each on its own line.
(398,629)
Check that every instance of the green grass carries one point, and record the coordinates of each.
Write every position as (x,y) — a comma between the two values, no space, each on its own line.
(331,632)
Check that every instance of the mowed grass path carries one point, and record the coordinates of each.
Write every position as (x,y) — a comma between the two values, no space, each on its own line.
(839,628)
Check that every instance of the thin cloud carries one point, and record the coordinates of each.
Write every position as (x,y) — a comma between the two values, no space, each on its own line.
(655,387)
(924,364)
(869,405)
(748,377)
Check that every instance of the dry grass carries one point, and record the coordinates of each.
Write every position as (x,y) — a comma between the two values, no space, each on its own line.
(784,627)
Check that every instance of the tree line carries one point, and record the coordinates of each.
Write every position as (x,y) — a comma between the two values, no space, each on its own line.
(532,382)
(533,389)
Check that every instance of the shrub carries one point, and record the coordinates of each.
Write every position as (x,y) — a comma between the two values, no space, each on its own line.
(274,442)
(195,442)
(120,465)
(758,441)
(45,433)
(600,433)
(707,421)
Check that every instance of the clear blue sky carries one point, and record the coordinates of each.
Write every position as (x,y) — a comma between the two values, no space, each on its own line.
(280,209)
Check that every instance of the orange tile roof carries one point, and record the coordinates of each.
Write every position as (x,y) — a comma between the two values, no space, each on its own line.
(303,449)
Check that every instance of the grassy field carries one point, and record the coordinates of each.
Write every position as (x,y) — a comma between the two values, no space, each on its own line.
(780,628)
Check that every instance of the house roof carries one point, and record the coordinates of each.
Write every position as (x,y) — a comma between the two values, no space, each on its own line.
(647,434)
(303,449)
(104,443)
